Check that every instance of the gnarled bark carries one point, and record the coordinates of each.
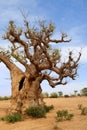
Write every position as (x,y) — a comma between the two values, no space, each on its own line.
(25,93)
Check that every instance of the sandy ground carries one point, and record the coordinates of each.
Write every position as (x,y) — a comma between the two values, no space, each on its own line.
(79,122)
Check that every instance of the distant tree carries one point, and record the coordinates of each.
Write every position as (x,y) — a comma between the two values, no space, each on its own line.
(46,95)
(78,94)
(31,47)
(53,95)
(60,93)
(66,96)
(75,92)
(84,92)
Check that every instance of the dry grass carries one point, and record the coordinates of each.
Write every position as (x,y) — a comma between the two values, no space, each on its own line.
(79,122)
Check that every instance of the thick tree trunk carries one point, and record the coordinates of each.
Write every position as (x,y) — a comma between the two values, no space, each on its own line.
(25,92)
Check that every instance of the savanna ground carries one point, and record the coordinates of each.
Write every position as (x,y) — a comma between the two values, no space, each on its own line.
(79,122)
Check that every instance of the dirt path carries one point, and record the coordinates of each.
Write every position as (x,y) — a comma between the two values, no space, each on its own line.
(79,122)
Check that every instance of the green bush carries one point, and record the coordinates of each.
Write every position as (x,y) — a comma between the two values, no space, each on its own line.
(84,92)
(69,116)
(66,96)
(79,94)
(63,115)
(45,95)
(48,108)
(54,95)
(12,118)
(37,112)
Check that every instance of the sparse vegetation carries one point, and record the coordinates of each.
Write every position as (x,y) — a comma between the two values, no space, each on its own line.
(5,98)
(50,121)
(72,95)
(66,96)
(83,109)
(54,95)
(45,95)
(63,115)
(12,118)
(80,106)
(75,92)
(60,93)
(48,108)
(84,92)
(38,111)
(79,94)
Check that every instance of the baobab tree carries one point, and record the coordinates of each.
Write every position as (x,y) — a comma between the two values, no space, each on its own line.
(32,47)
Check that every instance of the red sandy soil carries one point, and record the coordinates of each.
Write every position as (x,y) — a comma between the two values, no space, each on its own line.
(79,122)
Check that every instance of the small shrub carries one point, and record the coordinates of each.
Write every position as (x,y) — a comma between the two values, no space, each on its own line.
(63,115)
(80,106)
(72,95)
(48,108)
(79,94)
(84,92)
(45,95)
(55,127)
(39,111)
(83,109)
(53,95)
(13,117)
(66,96)
(69,117)
(36,112)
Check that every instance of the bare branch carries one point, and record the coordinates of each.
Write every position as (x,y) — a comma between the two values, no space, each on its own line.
(35,43)
(63,39)
(53,81)
(7,62)
(59,41)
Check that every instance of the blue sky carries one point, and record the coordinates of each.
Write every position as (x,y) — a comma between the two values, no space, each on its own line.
(69,16)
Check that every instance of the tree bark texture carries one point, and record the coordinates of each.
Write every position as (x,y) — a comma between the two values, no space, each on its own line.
(25,92)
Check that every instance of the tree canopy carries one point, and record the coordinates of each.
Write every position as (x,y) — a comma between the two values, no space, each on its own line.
(31,46)
(84,91)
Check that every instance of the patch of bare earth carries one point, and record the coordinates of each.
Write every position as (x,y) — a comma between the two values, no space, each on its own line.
(79,122)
